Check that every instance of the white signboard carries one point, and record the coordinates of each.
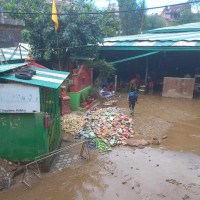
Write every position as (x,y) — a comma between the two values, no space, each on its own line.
(19,98)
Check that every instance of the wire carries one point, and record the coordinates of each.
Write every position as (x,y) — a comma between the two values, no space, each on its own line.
(69,47)
(97,13)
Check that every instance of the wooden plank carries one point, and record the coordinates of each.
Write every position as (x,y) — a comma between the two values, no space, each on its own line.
(178,87)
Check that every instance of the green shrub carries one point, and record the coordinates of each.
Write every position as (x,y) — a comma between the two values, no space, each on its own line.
(82,97)
(91,92)
(86,95)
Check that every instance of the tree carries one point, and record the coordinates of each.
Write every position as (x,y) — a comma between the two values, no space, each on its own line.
(186,16)
(103,68)
(75,30)
(130,21)
(111,24)
(153,21)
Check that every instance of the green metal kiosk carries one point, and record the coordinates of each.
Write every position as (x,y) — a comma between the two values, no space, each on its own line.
(29,113)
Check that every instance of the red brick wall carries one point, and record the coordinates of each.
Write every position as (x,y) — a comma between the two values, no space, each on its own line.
(81,79)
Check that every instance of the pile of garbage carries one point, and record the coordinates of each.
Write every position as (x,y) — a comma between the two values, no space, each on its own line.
(110,103)
(7,170)
(72,123)
(103,128)
(107,127)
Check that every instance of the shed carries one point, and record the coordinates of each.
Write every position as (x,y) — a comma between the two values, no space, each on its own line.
(172,49)
(29,112)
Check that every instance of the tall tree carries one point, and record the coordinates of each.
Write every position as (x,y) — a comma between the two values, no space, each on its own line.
(187,16)
(130,21)
(153,21)
(111,24)
(75,30)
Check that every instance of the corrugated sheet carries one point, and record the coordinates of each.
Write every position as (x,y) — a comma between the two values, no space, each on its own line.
(180,28)
(8,67)
(13,53)
(186,39)
(43,77)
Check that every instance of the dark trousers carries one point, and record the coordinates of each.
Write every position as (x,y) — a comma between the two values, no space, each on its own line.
(131,105)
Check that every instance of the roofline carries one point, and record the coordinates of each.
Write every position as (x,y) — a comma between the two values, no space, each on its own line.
(149,48)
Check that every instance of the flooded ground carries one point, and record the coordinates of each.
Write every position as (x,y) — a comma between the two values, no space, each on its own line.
(169,171)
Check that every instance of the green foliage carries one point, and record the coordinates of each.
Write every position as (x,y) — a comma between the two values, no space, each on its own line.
(186,16)
(74,30)
(111,24)
(130,21)
(91,92)
(82,97)
(153,21)
(103,68)
(86,95)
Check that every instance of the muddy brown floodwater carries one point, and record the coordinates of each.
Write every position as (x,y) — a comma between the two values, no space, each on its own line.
(169,171)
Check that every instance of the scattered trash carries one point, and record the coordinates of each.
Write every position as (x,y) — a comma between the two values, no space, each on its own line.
(72,123)
(155,141)
(5,179)
(101,146)
(103,128)
(164,137)
(110,103)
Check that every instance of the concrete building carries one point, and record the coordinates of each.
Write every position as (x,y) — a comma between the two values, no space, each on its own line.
(171,14)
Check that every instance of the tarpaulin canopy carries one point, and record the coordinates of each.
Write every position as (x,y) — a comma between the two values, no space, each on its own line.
(184,37)
(43,77)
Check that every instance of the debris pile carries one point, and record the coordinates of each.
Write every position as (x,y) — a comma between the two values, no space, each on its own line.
(72,123)
(7,170)
(110,103)
(108,127)
(103,128)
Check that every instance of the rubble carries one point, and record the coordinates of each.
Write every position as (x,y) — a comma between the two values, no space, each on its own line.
(110,103)
(103,128)
(106,127)
(5,179)
(72,123)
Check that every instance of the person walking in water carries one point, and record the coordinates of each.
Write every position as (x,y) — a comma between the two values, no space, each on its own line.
(132,98)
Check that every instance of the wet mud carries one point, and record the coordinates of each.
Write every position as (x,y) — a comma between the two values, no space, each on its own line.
(168,171)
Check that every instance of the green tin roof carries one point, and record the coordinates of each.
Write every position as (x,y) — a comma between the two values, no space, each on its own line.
(180,28)
(184,37)
(43,77)
(15,53)
(8,67)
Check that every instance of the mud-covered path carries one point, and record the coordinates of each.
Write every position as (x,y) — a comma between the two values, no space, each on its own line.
(169,171)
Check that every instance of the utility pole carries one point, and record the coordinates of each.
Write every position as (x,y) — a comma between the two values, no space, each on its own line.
(142,17)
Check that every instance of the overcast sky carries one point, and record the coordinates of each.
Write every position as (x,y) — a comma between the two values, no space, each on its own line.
(149,3)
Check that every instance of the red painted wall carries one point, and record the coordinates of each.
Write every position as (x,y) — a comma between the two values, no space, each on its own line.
(82,78)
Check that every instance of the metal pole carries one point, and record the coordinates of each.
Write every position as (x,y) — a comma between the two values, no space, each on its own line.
(147,66)
(20,51)
(115,83)
(142,17)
